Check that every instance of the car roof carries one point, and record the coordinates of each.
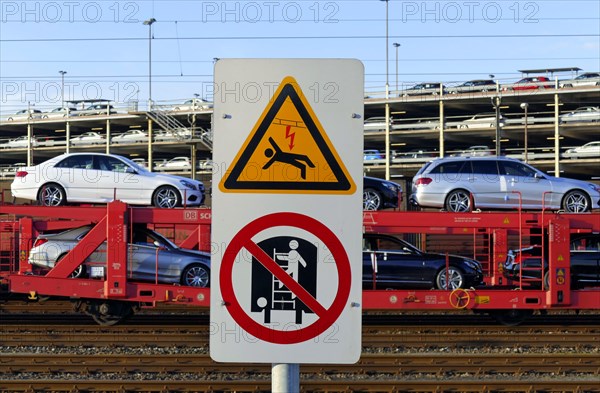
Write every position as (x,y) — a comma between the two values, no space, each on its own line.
(487,158)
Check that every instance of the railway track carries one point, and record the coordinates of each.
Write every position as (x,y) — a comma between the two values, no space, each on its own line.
(374,336)
(396,364)
(141,358)
(167,351)
(346,385)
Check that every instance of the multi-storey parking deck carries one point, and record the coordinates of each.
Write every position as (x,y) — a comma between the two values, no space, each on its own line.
(113,295)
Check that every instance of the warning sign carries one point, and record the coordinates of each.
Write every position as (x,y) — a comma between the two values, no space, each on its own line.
(288,151)
(286,267)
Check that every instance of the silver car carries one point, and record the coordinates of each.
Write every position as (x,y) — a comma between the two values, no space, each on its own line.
(590,149)
(585,79)
(583,114)
(461,184)
(148,252)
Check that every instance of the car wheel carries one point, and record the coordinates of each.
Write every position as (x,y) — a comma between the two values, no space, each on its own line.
(451,278)
(458,201)
(79,272)
(568,85)
(195,275)
(52,194)
(546,281)
(371,199)
(166,197)
(576,202)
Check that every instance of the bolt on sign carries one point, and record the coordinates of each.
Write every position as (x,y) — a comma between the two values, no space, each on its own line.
(286,274)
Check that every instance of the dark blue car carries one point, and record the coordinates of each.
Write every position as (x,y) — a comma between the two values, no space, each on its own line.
(392,263)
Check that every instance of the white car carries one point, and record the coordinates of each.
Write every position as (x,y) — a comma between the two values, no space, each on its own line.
(141,162)
(59,113)
(26,114)
(97,109)
(195,104)
(174,135)
(591,149)
(206,165)
(19,143)
(88,138)
(176,164)
(102,178)
(476,151)
(131,136)
(376,124)
(585,79)
(482,120)
(583,114)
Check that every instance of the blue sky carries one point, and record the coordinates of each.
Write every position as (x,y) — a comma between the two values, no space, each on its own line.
(103,45)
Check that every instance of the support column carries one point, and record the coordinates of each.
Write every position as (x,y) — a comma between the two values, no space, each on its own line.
(107,136)
(150,137)
(388,159)
(29,140)
(68,137)
(556,136)
(442,126)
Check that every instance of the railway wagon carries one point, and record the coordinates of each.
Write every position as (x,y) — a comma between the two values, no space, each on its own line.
(113,296)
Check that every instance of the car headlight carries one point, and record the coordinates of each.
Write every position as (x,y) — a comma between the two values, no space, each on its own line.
(594,187)
(188,184)
(391,186)
(473,264)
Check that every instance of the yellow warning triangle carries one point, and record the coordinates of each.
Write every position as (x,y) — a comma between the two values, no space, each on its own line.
(288,151)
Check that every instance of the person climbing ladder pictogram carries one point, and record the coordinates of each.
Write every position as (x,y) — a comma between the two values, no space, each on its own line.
(293,258)
(298,258)
(300,161)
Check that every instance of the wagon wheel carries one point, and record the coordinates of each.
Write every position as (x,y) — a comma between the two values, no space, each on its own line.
(459,298)
(108,313)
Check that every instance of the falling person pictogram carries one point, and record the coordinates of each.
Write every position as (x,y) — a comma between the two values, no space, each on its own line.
(300,161)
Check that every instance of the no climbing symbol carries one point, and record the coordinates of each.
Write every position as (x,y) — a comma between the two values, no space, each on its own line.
(284,278)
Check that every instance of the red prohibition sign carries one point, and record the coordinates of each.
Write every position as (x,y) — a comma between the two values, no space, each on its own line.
(327,316)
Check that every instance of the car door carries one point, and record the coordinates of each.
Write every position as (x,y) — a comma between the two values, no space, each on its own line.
(486,185)
(396,264)
(118,181)
(518,179)
(585,260)
(149,259)
(78,177)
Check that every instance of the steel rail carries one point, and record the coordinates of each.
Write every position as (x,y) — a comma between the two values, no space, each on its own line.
(345,385)
(383,336)
(397,364)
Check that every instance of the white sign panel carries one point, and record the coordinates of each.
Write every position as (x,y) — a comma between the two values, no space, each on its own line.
(286,280)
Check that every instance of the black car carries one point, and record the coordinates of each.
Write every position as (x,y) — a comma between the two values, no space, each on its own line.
(585,263)
(380,194)
(392,263)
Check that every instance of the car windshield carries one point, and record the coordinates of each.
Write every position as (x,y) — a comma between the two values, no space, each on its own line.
(146,236)
(141,236)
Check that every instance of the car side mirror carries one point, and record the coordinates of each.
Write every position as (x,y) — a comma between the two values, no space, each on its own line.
(129,169)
